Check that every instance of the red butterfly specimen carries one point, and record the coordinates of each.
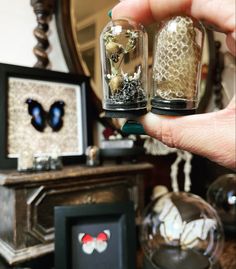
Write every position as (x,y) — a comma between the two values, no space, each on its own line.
(99,243)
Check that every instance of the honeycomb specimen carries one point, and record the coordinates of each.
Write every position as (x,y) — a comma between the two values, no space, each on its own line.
(176,60)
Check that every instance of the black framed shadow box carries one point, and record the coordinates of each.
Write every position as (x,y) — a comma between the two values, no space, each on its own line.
(100,236)
(43,112)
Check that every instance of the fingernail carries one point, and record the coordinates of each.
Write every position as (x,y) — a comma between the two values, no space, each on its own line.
(109,13)
(133,127)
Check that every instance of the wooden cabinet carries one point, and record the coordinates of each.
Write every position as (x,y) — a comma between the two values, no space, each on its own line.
(28,200)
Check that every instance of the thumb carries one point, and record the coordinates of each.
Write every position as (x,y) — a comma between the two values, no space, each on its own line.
(211,135)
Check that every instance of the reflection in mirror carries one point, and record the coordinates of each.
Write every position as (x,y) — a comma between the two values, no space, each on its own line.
(70,30)
(88,19)
(229,78)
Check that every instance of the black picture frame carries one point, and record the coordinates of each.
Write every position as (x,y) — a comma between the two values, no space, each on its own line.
(19,72)
(70,221)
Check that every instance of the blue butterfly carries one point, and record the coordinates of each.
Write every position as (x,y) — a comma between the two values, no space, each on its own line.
(40,117)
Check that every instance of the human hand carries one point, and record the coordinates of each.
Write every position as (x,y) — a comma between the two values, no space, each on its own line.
(211,135)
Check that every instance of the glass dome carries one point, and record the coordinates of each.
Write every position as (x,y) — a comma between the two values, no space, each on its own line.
(123,45)
(222,196)
(180,230)
(177,66)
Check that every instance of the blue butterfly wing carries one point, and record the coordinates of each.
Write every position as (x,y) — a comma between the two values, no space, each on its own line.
(56,114)
(38,114)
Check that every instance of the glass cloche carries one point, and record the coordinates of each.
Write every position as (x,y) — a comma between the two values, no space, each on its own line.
(124,53)
(176,68)
(181,231)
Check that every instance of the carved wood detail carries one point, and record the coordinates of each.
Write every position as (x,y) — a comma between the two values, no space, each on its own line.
(43,10)
(45,198)
(219,67)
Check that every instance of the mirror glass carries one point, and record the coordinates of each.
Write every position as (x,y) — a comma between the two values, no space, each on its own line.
(88,19)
